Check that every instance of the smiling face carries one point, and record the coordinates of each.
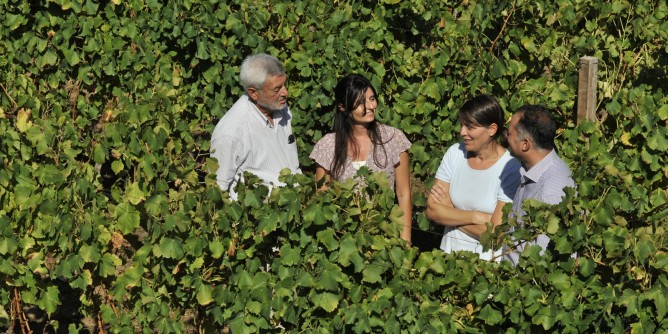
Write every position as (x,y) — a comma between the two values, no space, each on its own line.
(272,96)
(517,146)
(366,109)
(476,137)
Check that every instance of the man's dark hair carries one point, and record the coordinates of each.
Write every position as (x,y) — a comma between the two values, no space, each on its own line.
(537,123)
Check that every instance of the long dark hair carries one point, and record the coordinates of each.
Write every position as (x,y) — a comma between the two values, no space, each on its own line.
(349,94)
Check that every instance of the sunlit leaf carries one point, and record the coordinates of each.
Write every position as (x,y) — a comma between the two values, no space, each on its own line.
(171,248)
(127,217)
(204,294)
(327,301)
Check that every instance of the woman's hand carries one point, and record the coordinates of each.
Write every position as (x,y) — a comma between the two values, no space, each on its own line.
(480,218)
(439,194)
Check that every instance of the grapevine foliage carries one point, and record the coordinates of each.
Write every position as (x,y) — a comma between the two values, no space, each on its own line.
(111,220)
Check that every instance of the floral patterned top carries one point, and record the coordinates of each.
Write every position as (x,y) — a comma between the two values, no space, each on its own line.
(393,140)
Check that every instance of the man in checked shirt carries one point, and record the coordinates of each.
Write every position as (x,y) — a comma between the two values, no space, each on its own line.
(543,175)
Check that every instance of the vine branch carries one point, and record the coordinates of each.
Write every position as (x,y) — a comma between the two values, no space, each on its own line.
(503,27)
(9,96)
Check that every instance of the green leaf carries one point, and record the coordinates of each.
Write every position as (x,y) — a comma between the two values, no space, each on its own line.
(329,278)
(196,264)
(205,294)
(235,211)
(326,237)
(268,223)
(569,297)
(490,316)
(83,281)
(432,90)
(128,217)
(290,256)
(254,307)
(378,68)
(171,248)
(371,273)
(99,154)
(663,112)
(107,266)
(603,216)
(156,205)
(349,253)
(89,253)
(14,21)
(661,261)
(49,58)
(117,166)
(131,277)
(134,194)
(559,280)
(546,316)
(71,56)
(8,245)
(644,248)
(498,69)
(39,139)
(23,122)
(587,266)
(657,140)
(327,301)
(217,248)
(49,300)
(552,225)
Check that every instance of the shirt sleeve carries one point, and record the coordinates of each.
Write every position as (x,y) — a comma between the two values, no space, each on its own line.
(447,166)
(229,152)
(510,181)
(323,151)
(399,144)
(553,192)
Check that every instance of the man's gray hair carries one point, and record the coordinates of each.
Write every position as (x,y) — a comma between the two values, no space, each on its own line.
(257,68)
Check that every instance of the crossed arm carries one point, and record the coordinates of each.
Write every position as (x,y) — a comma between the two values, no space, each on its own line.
(441,210)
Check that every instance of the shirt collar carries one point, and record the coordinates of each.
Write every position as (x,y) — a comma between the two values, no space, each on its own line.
(278,115)
(536,172)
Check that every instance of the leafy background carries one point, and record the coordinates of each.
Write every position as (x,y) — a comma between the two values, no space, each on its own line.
(111,221)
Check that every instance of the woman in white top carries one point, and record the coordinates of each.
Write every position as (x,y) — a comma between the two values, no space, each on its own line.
(360,140)
(476,178)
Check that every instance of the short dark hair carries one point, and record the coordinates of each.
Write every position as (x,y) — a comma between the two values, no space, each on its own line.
(482,110)
(537,123)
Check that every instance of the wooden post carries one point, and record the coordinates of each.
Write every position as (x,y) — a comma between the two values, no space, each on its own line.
(587,88)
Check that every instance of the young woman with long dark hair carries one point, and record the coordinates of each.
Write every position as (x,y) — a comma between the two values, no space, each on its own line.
(360,140)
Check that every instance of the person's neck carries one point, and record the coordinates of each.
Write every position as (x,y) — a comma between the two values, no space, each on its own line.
(269,114)
(491,151)
(534,158)
(361,130)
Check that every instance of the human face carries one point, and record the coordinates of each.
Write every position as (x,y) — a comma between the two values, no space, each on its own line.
(273,96)
(516,145)
(476,137)
(365,111)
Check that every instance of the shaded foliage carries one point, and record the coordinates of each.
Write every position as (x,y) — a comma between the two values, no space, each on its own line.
(107,107)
